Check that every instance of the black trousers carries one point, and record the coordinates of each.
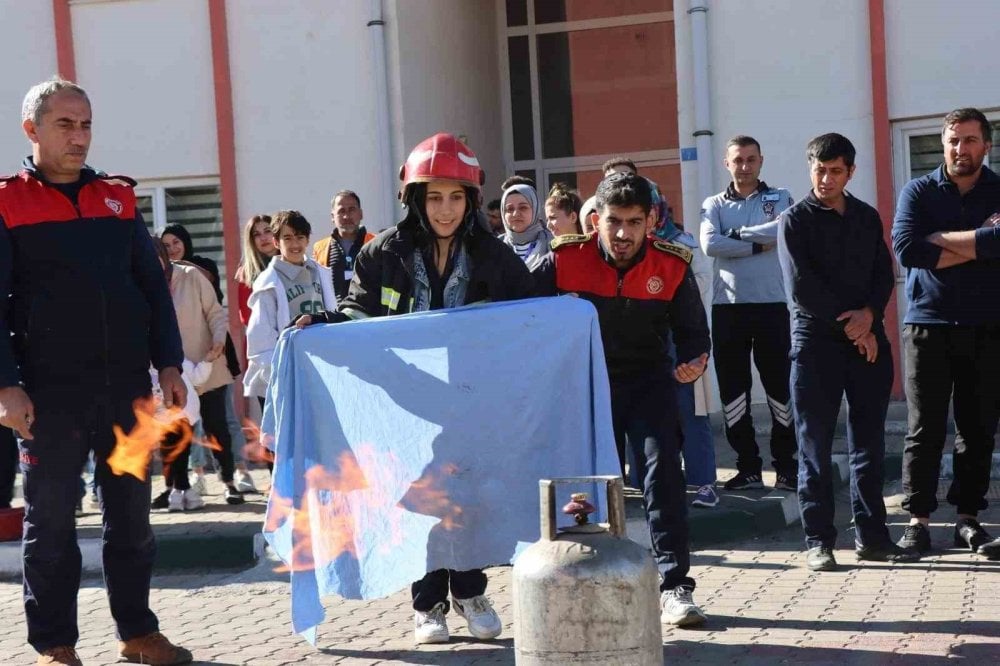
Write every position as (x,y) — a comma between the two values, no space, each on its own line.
(213,420)
(432,589)
(960,365)
(645,417)
(8,466)
(760,330)
(66,429)
(175,472)
(823,372)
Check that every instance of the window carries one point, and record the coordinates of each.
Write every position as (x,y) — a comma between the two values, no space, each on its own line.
(585,80)
(197,206)
(559,11)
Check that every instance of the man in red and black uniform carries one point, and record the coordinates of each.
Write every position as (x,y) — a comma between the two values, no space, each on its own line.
(85,310)
(642,289)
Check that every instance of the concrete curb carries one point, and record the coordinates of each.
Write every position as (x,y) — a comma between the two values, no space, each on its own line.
(211,551)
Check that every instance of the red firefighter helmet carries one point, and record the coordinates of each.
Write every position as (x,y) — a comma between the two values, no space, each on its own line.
(441,157)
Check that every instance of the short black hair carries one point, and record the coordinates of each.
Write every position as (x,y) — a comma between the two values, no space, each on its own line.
(517,179)
(346,193)
(624,190)
(742,141)
(830,146)
(965,115)
(290,218)
(619,160)
(493,205)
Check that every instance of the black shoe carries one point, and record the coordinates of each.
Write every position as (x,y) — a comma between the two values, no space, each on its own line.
(790,482)
(234,496)
(916,538)
(742,481)
(161,500)
(970,534)
(888,552)
(821,558)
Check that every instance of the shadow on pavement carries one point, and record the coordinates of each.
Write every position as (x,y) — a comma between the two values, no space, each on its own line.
(693,652)
(723,623)
(501,653)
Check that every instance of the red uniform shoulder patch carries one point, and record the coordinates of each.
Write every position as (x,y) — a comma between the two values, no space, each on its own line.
(26,201)
(581,268)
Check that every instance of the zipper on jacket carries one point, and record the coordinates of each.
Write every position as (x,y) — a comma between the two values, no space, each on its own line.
(75,204)
(621,280)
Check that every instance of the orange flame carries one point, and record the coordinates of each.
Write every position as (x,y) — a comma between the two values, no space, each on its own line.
(134,450)
(255,449)
(336,503)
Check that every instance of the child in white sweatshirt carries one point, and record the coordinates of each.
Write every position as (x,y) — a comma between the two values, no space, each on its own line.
(291,285)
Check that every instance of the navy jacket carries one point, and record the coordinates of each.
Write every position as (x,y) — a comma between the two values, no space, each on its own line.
(967,294)
(832,263)
(88,305)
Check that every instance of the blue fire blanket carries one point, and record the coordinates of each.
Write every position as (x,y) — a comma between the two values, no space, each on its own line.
(413,443)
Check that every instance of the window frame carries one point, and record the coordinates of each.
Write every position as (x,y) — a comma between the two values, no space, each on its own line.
(540,165)
(156,189)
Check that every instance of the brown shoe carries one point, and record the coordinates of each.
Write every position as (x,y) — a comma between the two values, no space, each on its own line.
(152,649)
(64,655)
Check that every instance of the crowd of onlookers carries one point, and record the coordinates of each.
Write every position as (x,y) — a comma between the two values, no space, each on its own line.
(799,289)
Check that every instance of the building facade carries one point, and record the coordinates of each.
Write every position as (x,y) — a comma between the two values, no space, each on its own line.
(223,109)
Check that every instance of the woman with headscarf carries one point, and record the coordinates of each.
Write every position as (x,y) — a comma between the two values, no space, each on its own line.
(523,231)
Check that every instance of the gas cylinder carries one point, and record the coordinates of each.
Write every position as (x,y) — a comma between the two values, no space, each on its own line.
(586,594)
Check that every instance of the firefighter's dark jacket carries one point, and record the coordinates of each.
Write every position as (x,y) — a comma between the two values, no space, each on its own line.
(637,307)
(383,273)
(89,307)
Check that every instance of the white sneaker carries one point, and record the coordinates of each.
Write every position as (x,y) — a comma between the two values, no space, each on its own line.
(197,483)
(244,482)
(484,623)
(175,501)
(679,609)
(430,627)
(192,500)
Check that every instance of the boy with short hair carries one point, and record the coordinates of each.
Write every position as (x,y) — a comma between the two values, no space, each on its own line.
(293,284)
(838,277)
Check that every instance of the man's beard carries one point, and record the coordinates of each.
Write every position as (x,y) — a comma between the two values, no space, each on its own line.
(965,168)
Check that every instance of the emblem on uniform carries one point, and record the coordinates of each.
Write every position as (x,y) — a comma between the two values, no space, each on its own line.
(654,285)
(114,205)
(769,210)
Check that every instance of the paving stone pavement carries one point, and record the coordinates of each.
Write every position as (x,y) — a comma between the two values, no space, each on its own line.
(763,607)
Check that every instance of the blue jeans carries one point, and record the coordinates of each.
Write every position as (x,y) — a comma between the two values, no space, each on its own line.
(699,445)
(199,454)
(823,371)
(235,429)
